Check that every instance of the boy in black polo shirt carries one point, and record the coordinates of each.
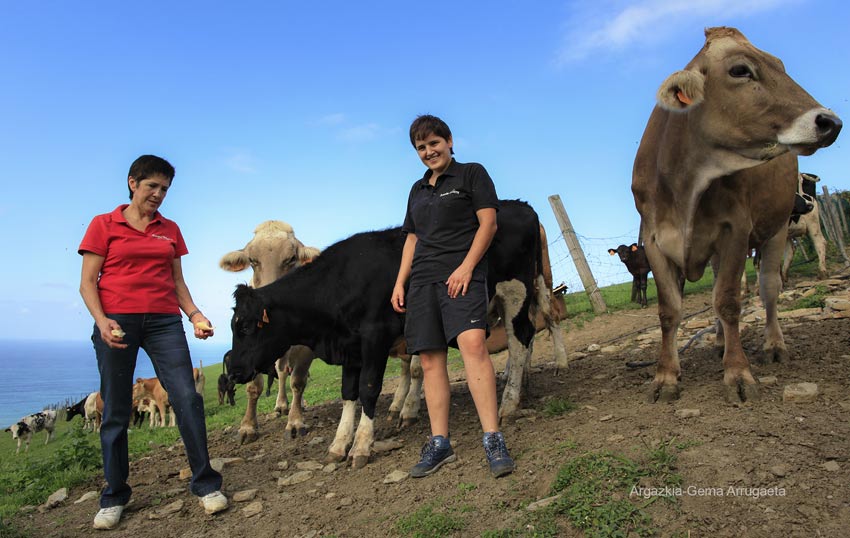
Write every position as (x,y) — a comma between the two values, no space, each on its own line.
(450,222)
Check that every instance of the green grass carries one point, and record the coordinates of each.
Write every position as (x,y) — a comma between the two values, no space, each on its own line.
(430,522)
(594,490)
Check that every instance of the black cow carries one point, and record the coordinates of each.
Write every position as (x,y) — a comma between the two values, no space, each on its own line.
(226,386)
(339,306)
(634,257)
(78,408)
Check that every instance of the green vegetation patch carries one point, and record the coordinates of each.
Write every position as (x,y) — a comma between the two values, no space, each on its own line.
(427,522)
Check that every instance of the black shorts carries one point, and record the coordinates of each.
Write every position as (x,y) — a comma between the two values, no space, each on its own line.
(434,320)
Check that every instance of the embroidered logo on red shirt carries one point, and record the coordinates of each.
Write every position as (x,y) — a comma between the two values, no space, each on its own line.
(158,236)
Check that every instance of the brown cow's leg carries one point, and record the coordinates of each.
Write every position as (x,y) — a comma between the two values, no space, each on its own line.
(249,427)
(770,283)
(820,245)
(281,366)
(739,383)
(401,390)
(413,400)
(665,385)
(298,359)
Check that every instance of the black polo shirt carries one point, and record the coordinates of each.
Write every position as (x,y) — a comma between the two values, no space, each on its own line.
(444,220)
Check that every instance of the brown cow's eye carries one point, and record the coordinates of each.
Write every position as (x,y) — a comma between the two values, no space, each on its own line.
(741,71)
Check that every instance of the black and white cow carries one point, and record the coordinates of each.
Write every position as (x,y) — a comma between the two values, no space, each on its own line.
(339,306)
(30,424)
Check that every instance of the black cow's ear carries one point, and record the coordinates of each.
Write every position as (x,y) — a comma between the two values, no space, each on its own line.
(634,247)
(611,251)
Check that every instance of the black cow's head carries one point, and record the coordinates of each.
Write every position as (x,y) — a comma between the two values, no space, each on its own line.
(256,344)
(623,251)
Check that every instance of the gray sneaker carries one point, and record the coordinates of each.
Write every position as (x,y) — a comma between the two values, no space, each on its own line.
(500,461)
(436,452)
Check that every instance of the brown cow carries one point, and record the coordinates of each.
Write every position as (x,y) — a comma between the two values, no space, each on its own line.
(807,224)
(151,388)
(271,253)
(715,175)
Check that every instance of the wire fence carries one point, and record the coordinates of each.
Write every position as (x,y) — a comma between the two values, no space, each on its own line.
(606,269)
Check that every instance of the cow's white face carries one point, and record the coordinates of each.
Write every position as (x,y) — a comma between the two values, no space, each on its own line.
(740,100)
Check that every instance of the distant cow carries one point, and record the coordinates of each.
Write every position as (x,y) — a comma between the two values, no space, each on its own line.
(78,408)
(152,388)
(805,223)
(339,306)
(715,175)
(634,257)
(226,386)
(94,411)
(31,424)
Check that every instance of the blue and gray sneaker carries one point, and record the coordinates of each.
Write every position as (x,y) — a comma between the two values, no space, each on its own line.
(436,452)
(497,454)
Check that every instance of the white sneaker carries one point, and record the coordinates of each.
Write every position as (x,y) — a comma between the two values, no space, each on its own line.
(214,502)
(108,518)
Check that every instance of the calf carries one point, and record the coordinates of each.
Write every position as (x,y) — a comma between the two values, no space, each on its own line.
(94,411)
(634,257)
(199,378)
(30,424)
(153,389)
(226,386)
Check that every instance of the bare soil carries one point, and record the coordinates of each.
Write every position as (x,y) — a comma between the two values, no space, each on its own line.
(799,449)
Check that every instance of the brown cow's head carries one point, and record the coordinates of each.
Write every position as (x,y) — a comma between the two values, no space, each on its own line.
(272,253)
(741,100)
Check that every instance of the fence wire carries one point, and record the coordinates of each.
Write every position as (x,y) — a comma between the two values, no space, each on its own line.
(606,269)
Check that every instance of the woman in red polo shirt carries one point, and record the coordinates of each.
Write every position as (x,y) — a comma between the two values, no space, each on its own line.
(132,283)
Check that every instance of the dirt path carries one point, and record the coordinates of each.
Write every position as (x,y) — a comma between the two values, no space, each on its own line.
(771,445)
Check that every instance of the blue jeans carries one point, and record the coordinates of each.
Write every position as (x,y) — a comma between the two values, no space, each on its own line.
(163,339)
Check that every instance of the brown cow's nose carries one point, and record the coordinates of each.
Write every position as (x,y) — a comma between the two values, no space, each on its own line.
(829,125)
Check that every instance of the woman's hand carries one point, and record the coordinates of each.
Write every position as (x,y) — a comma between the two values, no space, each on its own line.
(203,327)
(397,299)
(112,334)
(458,281)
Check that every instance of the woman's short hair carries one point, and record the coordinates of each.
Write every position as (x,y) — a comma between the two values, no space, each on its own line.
(148,166)
(427,124)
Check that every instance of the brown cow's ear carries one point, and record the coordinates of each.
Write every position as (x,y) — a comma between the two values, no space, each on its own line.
(681,91)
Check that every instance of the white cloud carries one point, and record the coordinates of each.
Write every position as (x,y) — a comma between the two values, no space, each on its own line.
(331,119)
(360,133)
(240,161)
(610,27)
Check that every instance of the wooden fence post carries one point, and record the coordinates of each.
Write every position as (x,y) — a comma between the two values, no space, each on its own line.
(577,255)
(839,210)
(839,239)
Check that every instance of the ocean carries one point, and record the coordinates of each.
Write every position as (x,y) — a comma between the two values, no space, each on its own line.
(35,374)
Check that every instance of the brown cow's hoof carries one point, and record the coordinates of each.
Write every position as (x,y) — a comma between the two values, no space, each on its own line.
(408,422)
(392,417)
(776,354)
(663,393)
(358,462)
(281,411)
(248,436)
(741,393)
(334,458)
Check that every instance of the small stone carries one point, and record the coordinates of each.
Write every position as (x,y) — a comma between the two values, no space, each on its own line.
(768,380)
(779,471)
(57,498)
(542,503)
(308,465)
(593,348)
(616,438)
(610,349)
(831,466)
(220,463)
(346,501)
(395,477)
(185,474)
(283,465)
(253,509)
(296,478)
(687,413)
(316,441)
(167,510)
(245,495)
(87,496)
(800,393)
(606,418)
(837,303)
(387,445)
(330,495)
(329,468)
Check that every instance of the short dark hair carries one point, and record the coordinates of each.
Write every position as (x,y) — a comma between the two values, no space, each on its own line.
(150,165)
(427,124)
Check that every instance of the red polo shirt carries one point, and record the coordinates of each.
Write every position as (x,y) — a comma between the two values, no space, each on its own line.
(136,277)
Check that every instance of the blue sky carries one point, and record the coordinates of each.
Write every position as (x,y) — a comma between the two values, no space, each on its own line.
(299,111)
